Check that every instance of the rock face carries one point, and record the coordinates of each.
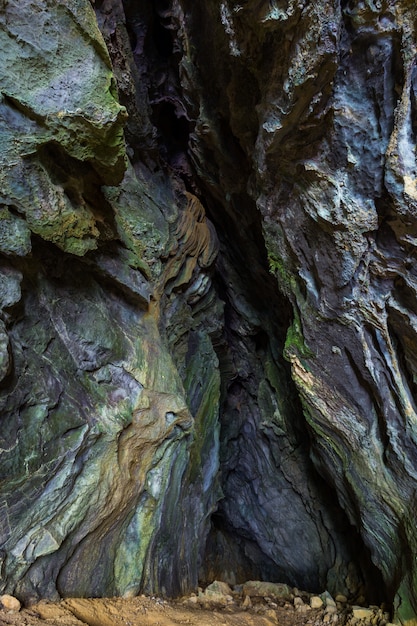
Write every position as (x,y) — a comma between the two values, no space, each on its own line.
(208,297)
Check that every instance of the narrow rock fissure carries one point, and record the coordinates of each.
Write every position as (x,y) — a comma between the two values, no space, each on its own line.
(208,305)
(233,551)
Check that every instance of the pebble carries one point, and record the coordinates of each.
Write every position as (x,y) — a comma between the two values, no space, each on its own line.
(10,603)
(247,603)
(263,598)
(341,598)
(271,614)
(327,598)
(193,600)
(271,604)
(316,602)
(360,612)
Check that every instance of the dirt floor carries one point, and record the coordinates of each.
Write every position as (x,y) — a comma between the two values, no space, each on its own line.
(206,609)
(148,612)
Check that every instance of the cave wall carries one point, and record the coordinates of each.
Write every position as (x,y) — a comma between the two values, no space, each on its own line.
(207,353)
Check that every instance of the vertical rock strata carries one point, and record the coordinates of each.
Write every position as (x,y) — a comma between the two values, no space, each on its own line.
(109,439)
(208,296)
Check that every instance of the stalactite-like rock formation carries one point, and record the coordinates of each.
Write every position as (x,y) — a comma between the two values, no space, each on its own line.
(208,296)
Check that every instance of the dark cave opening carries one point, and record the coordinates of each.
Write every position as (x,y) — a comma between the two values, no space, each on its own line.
(231,545)
(243,256)
(172,393)
(173,133)
(162,38)
(247,561)
(173,126)
(155,15)
(133,38)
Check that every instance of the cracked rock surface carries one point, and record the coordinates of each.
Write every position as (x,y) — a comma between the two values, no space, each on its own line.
(208,297)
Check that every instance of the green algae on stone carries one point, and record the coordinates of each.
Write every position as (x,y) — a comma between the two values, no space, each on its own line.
(110,403)
(63,83)
(56,90)
(141,211)
(14,234)
(91,452)
(295,342)
(49,210)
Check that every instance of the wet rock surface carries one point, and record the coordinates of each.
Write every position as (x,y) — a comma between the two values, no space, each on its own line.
(207,294)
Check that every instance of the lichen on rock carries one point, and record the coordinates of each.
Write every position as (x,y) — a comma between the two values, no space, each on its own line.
(207,297)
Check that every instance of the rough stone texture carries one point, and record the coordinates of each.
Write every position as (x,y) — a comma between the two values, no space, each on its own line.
(256,588)
(208,333)
(105,472)
(218,604)
(9,603)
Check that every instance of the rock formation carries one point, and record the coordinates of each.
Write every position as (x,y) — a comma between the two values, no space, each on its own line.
(208,296)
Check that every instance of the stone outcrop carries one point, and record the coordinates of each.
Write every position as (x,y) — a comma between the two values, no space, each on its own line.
(208,294)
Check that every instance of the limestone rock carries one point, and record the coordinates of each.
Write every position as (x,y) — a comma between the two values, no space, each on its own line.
(328,599)
(218,593)
(316,602)
(271,615)
(360,612)
(10,603)
(208,328)
(330,610)
(5,361)
(341,598)
(257,588)
(218,587)
(247,602)
(10,291)
(60,125)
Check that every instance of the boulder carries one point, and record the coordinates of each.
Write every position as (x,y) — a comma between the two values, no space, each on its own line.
(10,603)
(257,588)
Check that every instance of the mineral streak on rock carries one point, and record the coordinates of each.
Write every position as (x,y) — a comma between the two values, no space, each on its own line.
(105,472)
(208,297)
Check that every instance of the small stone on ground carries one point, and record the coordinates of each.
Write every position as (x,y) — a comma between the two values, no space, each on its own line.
(217,605)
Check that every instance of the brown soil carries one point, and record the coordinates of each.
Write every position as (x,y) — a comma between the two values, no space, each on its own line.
(143,611)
